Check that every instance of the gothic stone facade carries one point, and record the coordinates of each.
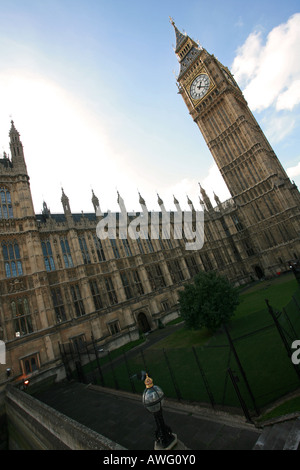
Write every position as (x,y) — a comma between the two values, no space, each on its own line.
(59,283)
(263,230)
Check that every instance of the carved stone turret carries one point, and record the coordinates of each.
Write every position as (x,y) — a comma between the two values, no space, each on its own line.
(65,203)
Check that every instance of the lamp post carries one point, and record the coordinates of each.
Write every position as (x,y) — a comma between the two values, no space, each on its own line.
(24,384)
(152,400)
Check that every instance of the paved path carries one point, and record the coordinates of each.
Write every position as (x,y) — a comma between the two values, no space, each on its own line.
(121,417)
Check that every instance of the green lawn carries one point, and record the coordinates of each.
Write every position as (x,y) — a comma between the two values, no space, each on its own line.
(290,406)
(278,291)
(184,338)
(190,364)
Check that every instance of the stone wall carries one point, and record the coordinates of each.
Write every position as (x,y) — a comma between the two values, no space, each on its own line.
(32,425)
(3,423)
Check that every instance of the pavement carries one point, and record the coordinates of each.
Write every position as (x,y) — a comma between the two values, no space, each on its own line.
(121,417)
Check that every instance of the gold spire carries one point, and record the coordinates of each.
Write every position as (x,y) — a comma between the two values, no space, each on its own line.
(148,381)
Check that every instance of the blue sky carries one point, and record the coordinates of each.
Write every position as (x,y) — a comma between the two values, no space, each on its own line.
(91,88)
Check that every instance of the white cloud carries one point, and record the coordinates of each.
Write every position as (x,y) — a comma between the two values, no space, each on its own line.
(277,127)
(293,171)
(269,72)
(183,188)
(65,144)
(214,183)
(245,64)
(289,98)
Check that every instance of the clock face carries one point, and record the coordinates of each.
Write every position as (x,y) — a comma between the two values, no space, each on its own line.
(200,86)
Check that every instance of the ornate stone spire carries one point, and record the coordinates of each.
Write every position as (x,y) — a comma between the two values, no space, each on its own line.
(202,203)
(190,203)
(46,210)
(121,203)
(65,203)
(187,50)
(161,203)
(217,199)
(16,148)
(13,131)
(159,200)
(180,38)
(142,201)
(95,202)
(206,199)
(176,203)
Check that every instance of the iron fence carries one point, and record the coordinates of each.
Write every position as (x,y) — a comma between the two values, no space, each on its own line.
(237,368)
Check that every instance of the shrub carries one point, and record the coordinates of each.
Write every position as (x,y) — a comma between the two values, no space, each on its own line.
(209,301)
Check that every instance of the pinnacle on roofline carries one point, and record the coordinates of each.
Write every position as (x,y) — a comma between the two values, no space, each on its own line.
(180,38)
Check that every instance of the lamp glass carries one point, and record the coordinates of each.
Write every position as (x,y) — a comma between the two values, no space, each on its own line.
(152,398)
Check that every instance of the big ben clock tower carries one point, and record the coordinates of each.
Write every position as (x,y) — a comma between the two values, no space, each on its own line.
(268,201)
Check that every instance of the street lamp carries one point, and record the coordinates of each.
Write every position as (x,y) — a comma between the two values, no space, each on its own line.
(152,400)
(24,384)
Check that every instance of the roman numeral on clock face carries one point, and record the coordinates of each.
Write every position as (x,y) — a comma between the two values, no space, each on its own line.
(199,86)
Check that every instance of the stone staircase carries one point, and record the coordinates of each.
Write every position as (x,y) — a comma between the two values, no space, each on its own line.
(280,436)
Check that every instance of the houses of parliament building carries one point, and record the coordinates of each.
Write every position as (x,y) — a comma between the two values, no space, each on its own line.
(60,283)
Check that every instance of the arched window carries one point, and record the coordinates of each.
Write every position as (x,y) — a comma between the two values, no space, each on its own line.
(12,261)
(127,247)
(21,317)
(66,253)
(77,300)
(27,366)
(58,304)
(6,211)
(33,364)
(115,248)
(149,243)
(99,248)
(30,364)
(48,257)
(84,250)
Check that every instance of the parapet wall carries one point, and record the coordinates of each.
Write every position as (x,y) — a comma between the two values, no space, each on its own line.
(33,425)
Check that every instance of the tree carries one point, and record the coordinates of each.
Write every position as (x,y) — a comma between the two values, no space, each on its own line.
(209,301)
